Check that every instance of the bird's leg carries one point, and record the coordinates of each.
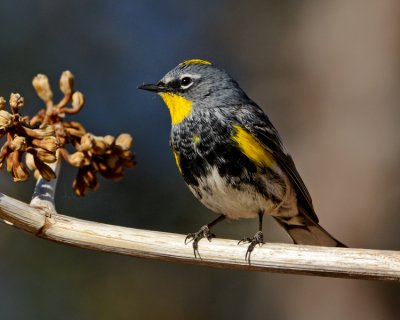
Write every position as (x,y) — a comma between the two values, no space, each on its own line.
(204,232)
(257,239)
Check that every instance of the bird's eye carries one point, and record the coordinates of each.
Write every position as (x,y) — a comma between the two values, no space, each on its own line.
(186,82)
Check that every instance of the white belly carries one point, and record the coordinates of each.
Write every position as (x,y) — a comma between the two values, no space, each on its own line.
(243,201)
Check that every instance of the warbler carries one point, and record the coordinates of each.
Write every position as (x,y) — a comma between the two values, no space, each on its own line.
(232,157)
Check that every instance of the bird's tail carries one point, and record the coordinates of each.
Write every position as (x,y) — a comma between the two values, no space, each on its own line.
(310,233)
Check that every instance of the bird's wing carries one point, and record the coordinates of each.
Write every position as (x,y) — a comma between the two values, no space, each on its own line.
(255,121)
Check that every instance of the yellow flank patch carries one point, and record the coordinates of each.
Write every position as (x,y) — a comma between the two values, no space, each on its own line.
(177,160)
(178,106)
(194,61)
(196,139)
(253,148)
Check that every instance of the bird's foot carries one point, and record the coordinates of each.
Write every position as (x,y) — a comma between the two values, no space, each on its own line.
(257,239)
(204,232)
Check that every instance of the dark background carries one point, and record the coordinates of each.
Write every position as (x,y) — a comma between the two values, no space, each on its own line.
(326,72)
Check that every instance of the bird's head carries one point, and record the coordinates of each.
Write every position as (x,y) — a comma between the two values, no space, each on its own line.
(195,84)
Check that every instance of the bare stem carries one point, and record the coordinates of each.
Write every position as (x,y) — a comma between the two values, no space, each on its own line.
(44,193)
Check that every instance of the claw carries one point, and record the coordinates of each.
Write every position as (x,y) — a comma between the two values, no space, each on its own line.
(245,240)
(257,239)
(189,238)
(204,232)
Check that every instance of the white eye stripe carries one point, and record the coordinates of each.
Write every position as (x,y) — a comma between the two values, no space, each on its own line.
(193,76)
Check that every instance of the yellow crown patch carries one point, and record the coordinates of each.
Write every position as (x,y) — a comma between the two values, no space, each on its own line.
(194,61)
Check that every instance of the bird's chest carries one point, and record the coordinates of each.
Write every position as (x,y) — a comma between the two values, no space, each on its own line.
(218,173)
(194,147)
(197,141)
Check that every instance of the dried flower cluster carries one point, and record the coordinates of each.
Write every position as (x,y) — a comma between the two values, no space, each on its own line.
(107,155)
(47,134)
(24,139)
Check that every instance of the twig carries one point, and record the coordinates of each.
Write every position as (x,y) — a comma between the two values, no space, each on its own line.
(283,258)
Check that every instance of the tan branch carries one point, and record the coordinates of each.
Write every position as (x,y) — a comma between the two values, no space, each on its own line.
(283,258)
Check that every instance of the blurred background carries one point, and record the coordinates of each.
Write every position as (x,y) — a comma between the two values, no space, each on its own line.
(326,72)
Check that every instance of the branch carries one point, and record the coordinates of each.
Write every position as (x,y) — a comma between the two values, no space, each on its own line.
(221,253)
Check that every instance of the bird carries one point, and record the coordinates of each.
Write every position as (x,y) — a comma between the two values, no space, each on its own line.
(232,158)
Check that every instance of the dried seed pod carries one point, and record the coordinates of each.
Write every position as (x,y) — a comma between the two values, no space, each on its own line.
(74,124)
(112,161)
(78,100)
(44,155)
(124,141)
(86,142)
(16,101)
(42,87)
(77,159)
(127,163)
(19,170)
(128,155)
(67,83)
(109,139)
(44,170)
(79,185)
(74,129)
(48,143)
(38,133)
(2,103)
(85,180)
(6,120)
(36,120)
(18,143)
(10,161)
(74,132)
(30,162)
(99,145)
(90,178)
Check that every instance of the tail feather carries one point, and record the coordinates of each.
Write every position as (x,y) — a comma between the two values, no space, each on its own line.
(311,233)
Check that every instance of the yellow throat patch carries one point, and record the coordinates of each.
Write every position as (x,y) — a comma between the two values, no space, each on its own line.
(253,148)
(178,106)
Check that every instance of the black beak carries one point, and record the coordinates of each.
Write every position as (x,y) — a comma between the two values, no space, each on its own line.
(154,87)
